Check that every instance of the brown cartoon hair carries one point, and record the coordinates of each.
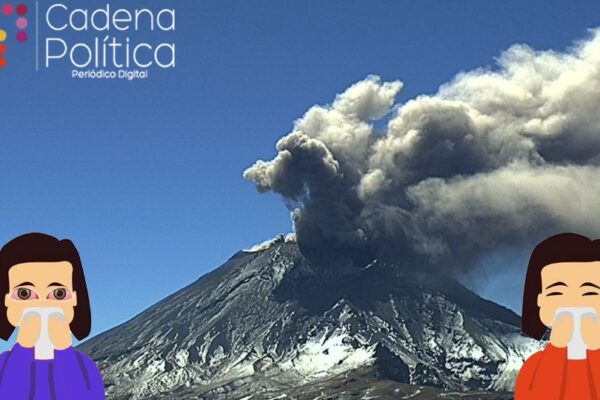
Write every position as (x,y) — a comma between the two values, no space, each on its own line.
(564,247)
(39,247)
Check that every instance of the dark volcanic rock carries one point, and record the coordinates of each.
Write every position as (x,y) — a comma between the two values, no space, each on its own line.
(269,323)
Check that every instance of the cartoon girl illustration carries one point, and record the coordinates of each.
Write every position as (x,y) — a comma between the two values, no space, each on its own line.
(562,292)
(45,297)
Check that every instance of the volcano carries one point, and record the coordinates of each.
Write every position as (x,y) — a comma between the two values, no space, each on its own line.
(270,323)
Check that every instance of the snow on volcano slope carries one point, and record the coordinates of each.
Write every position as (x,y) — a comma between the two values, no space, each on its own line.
(269,319)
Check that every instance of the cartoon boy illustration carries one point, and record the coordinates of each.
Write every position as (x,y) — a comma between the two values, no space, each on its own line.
(562,292)
(45,296)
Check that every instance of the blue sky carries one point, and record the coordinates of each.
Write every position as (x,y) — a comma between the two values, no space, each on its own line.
(145,176)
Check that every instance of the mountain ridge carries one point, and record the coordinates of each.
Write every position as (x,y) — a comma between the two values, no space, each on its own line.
(273,320)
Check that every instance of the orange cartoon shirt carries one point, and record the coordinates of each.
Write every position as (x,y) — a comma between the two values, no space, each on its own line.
(548,375)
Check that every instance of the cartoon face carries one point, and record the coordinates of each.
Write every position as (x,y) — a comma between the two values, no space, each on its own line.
(569,284)
(40,284)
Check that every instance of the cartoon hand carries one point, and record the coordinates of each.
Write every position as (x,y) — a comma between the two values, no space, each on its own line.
(60,333)
(590,331)
(29,331)
(562,330)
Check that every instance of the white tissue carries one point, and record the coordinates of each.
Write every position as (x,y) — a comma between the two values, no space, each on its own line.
(44,348)
(576,348)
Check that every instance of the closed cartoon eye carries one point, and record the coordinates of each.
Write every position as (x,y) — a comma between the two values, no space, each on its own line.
(59,294)
(554,294)
(21,293)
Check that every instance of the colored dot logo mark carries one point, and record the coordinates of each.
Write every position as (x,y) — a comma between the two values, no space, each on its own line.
(21,24)
(2,48)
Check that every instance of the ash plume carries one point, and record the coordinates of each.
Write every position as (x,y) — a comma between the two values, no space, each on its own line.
(498,156)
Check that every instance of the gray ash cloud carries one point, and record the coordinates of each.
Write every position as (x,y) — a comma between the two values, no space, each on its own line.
(498,156)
